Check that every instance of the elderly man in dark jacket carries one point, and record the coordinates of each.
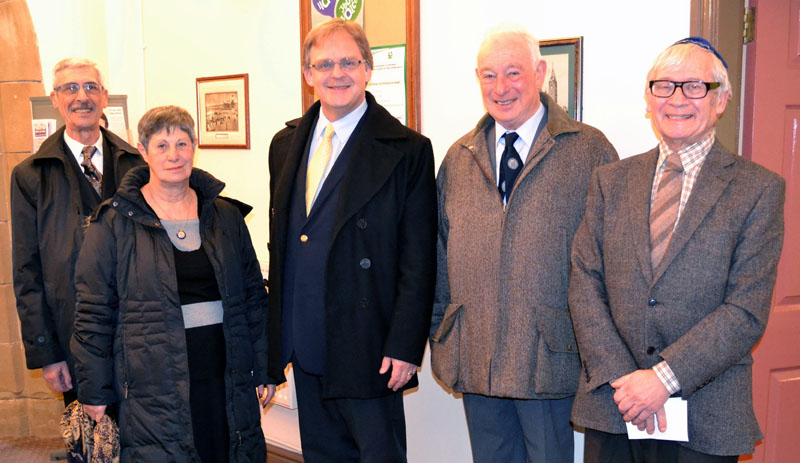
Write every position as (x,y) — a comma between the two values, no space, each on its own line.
(52,193)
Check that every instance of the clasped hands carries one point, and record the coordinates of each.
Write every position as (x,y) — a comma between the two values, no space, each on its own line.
(640,398)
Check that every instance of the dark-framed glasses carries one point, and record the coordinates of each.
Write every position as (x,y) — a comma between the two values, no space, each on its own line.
(347,64)
(91,88)
(694,89)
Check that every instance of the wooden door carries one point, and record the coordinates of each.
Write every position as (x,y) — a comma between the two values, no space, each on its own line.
(771,137)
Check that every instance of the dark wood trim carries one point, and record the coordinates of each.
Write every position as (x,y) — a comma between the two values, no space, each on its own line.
(277,454)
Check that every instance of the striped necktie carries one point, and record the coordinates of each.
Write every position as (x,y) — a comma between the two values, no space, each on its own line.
(664,209)
(92,174)
(317,165)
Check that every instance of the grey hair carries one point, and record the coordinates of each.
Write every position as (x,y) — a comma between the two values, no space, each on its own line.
(673,56)
(513,31)
(170,118)
(69,63)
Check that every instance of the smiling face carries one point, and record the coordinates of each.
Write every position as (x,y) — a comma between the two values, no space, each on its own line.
(339,91)
(170,155)
(81,112)
(510,80)
(682,121)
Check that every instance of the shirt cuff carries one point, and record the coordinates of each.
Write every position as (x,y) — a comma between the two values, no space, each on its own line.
(667,377)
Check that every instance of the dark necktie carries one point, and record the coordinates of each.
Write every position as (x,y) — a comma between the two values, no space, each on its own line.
(664,210)
(510,165)
(92,174)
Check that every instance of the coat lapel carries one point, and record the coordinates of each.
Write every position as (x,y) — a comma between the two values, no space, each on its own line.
(371,161)
(714,177)
(479,145)
(294,156)
(640,183)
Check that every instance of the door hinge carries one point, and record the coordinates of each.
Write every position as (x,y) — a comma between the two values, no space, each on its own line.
(749,24)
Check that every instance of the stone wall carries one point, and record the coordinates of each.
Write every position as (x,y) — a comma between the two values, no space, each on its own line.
(27,406)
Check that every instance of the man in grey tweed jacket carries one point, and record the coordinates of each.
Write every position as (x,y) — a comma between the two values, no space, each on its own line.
(501,331)
(649,327)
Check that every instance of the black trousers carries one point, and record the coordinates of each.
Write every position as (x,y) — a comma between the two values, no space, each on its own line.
(602,447)
(348,430)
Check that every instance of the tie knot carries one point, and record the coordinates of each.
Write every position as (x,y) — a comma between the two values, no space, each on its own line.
(674,163)
(88,151)
(329,132)
(511,138)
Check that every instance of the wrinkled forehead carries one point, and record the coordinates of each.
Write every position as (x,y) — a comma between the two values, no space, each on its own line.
(77,74)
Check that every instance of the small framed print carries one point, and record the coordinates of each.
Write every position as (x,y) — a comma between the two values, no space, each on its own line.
(223,112)
(564,77)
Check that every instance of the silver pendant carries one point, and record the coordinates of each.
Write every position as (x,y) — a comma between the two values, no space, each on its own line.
(181,234)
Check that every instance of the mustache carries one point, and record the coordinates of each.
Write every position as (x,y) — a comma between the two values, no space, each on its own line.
(84,105)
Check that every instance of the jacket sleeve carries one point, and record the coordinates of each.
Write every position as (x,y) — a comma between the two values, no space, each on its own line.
(96,315)
(416,261)
(727,334)
(257,305)
(604,354)
(441,297)
(39,332)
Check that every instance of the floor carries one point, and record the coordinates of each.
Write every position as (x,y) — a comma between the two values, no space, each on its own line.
(29,449)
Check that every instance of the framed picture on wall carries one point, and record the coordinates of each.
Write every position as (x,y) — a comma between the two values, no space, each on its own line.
(564,77)
(223,112)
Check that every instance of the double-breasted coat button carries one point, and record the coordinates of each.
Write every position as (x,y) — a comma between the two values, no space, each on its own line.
(362,223)
(365,263)
(130,213)
(115,204)
(303,238)
(650,350)
(652,301)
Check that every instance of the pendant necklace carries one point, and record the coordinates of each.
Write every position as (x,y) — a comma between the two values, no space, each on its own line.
(180,234)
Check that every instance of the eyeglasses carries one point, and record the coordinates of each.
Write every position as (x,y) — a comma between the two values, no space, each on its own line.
(347,64)
(694,89)
(91,88)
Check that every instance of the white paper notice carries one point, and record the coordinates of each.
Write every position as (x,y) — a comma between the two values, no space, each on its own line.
(388,84)
(677,423)
(42,128)
(116,121)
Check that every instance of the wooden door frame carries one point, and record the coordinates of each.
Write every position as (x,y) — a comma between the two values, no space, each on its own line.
(721,24)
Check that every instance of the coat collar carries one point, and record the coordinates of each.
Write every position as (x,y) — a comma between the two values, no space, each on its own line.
(54,146)
(558,123)
(371,162)
(714,177)
(130,202)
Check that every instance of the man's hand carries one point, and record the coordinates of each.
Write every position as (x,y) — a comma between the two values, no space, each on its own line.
(639,396)
(270,393)
(401,372)
(95,412)
(57,376)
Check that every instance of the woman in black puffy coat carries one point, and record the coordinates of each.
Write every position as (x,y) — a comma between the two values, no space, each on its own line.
(170,321)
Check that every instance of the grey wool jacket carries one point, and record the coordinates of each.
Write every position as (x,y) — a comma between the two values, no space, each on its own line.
(500,324)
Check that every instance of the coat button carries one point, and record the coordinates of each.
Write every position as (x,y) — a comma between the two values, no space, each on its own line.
(40,339)
(130,213)
(569,347)
(652,301)
(365,263)
(303,238)
(157,223)
(362,223)
(115,204)
(364,302)
(650,350)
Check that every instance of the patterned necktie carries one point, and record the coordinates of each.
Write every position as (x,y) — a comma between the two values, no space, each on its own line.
(317,165)
(664,209)
(92,174)
(510,165)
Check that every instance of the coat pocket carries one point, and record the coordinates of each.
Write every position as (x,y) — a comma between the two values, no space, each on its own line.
(557,362)
(445,342)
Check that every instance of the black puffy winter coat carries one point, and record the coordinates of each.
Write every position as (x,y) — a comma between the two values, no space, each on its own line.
(129,344)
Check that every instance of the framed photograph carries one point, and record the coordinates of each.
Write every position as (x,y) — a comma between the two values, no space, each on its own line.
(223,112)
(564,78)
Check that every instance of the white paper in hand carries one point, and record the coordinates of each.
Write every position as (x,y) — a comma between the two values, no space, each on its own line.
(677,423)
